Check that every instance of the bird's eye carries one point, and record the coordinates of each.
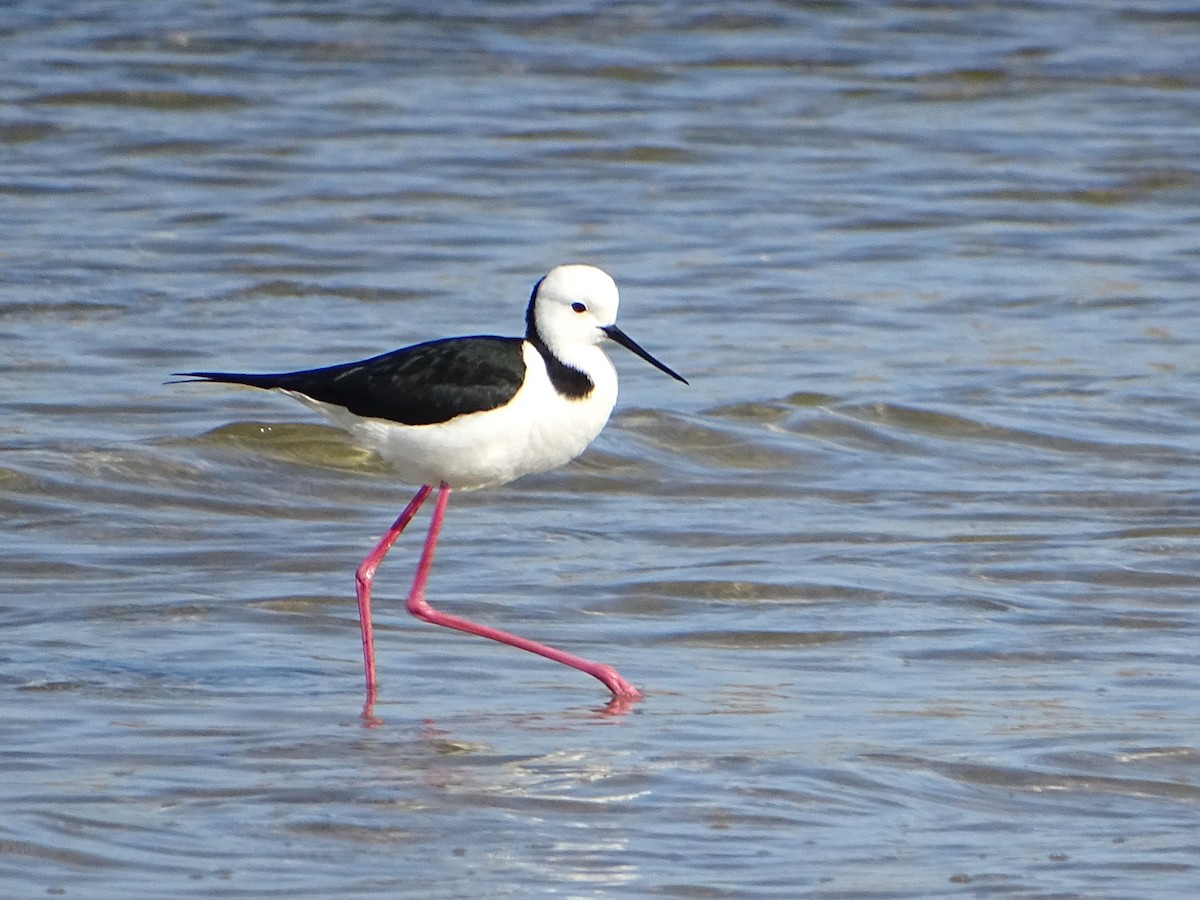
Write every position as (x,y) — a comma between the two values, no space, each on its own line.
(579,307)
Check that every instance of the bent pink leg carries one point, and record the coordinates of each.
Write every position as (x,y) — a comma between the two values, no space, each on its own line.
(365,575)
(419,607)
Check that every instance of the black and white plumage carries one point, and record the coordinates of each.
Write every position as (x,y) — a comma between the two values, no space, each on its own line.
(479,411)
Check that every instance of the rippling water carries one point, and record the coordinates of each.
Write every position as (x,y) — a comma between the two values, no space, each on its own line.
(908,574)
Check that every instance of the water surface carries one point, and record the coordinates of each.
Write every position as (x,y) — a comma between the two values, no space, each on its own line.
(908,574)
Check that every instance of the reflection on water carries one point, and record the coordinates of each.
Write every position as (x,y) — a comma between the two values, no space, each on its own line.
(907,574)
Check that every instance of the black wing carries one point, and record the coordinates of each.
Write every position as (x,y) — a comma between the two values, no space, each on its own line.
(419,385)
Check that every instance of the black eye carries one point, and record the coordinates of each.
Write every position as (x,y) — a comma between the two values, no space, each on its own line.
(579,307)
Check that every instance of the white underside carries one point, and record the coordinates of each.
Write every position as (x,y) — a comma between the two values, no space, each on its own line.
(538,430)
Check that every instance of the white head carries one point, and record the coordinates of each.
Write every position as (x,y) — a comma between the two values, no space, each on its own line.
(571,305)
(576,306)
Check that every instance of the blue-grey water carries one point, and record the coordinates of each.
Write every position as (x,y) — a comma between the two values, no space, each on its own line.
(909,574)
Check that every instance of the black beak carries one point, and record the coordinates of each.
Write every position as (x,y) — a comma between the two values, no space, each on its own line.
(630,344)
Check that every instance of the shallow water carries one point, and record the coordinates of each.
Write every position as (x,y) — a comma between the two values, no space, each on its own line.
(908,573)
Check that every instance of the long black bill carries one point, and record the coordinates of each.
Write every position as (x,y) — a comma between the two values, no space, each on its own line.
(630,344)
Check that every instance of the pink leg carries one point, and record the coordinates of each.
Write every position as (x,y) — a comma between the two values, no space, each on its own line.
(419,607)
(366,574)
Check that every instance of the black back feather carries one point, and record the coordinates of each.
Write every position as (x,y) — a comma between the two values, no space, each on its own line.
(424,384)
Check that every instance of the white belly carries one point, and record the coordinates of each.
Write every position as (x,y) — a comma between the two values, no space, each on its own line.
(536,431)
